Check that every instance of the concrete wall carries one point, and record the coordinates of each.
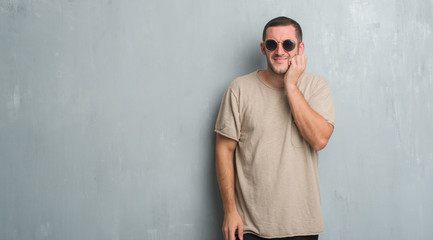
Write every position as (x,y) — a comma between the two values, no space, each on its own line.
(107,111)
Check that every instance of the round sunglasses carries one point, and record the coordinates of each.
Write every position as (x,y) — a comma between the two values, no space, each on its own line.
(272,45)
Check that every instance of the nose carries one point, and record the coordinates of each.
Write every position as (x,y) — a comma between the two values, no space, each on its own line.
(280,49)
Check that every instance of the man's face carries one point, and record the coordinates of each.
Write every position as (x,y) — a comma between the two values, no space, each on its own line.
(278,60)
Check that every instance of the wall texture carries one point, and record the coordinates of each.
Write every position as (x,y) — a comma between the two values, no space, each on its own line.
(107,111)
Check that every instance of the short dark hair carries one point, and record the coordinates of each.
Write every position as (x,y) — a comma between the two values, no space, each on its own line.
(284,21)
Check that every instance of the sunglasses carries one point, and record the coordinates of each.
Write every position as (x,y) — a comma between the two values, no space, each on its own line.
(272,45)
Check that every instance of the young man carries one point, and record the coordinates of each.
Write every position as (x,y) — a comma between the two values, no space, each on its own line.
(269,128)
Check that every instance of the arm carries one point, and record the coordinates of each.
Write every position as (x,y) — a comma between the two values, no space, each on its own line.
(313,127)
(225,148)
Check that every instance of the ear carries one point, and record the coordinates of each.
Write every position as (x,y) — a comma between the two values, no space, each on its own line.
(301,48)
(262,48)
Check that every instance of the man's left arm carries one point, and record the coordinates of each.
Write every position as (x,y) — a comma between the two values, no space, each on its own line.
(315,129)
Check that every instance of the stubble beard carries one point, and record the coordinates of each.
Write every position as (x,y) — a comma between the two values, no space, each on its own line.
(283,71)
(278,72)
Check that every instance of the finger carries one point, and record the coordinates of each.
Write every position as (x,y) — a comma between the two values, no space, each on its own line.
(299,61)
(232,234)
(226,234)
(294,61)
(302,58)
(304,61)
(241,232)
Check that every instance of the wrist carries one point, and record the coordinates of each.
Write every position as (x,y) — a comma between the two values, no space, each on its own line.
(230,210)
(290,87)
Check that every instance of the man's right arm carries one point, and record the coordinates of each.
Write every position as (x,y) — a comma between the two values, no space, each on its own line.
(225,148)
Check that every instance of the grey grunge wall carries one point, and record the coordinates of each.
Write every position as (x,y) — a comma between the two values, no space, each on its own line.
(107,111)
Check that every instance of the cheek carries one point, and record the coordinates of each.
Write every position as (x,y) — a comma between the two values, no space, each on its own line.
(293,53)
(268,54)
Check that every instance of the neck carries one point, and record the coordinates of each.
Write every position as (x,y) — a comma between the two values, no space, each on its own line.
(272,79)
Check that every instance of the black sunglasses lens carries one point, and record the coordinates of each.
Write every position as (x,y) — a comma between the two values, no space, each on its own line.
(289,45)
(271,45)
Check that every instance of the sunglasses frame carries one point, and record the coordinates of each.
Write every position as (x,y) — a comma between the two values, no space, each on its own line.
(264,43)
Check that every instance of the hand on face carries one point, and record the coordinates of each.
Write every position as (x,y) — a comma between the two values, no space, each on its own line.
(297,65)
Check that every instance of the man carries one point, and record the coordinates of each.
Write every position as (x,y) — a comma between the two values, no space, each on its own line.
(273,122)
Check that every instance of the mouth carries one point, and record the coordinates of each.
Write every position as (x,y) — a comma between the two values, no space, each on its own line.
(280,59)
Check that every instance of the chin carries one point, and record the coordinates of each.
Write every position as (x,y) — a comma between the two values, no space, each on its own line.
(279,71)
(276,68)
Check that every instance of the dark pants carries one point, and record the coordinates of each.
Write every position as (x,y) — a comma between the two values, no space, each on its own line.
(254,237)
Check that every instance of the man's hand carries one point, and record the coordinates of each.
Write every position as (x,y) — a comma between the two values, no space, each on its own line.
(233,222)
(225,148)
(297,64)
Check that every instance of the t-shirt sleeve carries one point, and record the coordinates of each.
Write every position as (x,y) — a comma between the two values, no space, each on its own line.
(322,102)
(228,122)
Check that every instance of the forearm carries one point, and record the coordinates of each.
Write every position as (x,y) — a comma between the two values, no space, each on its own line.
(313,127)
(226,177)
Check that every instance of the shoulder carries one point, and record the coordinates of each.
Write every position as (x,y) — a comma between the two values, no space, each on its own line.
(313,85)
(310,81)
(243,82)
(310,78)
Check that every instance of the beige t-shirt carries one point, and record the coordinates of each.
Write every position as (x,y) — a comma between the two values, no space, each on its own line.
(277,183)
